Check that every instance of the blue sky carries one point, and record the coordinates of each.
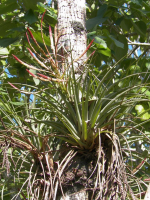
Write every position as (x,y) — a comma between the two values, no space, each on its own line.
(48,1)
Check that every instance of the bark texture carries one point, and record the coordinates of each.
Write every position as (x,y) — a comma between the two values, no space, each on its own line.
(71,23)
(103,176)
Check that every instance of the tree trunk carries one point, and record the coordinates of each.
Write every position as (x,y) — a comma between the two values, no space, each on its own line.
(71,23)
(102,175)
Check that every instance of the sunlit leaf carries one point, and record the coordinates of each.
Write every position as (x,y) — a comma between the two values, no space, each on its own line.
(4,51)
(141,111)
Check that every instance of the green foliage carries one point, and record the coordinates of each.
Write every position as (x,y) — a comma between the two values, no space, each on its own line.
(16,16)
(114,97)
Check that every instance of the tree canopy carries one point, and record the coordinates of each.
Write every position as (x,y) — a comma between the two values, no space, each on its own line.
(120,30)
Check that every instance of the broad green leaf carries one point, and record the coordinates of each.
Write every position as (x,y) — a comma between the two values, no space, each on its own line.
(50,11)
(102,10)
(101,43)
(36,81)
(126,63)
(119,53)
(7,26)
(91,23)
(148,65)
(3,62)
(4,51)
(93,33)
(106,52)
(146,91)
(8,6)
(140,27)
(126,24)
(117,43)
(119,20)
(30,17)
(141,112)
(33,71)
(135,68)
(18,29)
(31,4)
(5,42)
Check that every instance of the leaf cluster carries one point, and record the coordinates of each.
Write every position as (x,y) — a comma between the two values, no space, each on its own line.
(40,119)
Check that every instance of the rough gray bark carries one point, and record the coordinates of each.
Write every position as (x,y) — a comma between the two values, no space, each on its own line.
(71,23)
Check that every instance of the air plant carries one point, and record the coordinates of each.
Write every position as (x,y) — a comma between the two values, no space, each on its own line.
(90,108)
(90,116)
(54,69)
